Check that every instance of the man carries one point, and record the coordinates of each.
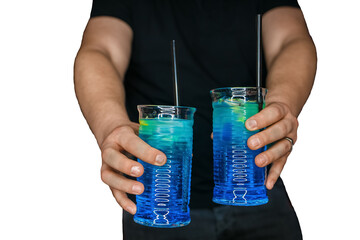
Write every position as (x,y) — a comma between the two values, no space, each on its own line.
(124,60)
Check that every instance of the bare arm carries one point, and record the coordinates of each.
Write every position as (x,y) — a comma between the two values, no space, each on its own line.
(291,61)
(291,57)
(100,67)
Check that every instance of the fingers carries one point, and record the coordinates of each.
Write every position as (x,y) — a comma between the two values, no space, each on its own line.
(268,116)
(274,153)
(124,201)
(279,123)
(124,138)
(280,130)
(121,163)
(131,143)
(275,171)
(119,182)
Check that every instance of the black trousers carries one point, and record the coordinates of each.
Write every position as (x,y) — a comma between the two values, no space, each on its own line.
(276,220)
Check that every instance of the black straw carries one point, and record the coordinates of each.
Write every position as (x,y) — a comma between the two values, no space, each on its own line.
(259,62)
(174,68)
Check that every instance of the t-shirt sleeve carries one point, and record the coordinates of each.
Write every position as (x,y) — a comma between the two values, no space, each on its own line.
(114,8)
(266,5)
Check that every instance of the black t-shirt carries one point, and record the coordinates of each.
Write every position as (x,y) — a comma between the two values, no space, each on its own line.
(216,47)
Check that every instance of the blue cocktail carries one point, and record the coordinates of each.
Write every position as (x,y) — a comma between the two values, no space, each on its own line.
(238,181)
(165,201)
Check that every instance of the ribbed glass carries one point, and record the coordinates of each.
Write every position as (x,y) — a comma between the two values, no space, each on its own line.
(238,181)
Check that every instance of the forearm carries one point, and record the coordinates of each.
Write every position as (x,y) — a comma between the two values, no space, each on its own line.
(291,74)
(100,92)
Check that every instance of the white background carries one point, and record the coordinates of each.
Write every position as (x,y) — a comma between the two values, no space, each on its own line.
(50,185)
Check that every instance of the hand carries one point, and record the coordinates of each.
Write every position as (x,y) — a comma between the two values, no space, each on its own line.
(115,163)
(279,123)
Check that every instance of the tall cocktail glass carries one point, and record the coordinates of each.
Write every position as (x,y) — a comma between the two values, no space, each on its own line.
(238,181)
(165,200)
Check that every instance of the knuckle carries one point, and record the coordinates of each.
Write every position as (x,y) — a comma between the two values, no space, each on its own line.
(265,137)
(105,176)
(123,205)
(121,200)
(105,153)
(269,156)
(287,127)
(278,111)
(287,146)
(284,127)
(119,133)
(123,130)
(296,122)
(275,172)
(127,206)
(295,138)
(281,128)
(293,125)
(285,108)
(118,199)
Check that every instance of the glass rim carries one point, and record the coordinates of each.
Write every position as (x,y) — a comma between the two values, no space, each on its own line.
(165,106)
(235,88)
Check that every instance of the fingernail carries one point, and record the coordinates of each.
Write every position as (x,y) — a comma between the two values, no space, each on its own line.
(135,171)
(160,159)
(270,184)
(131,209)
(255,142)
(261,160)
(252,124)
(136,188)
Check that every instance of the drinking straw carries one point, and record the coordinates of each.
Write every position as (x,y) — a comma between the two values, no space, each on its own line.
(259,62)
(174,73)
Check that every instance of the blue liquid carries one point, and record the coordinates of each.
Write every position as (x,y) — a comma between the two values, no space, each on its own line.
(238,181)
(165,201)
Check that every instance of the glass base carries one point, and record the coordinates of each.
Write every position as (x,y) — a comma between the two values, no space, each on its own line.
(241,197)
(241,203)
(150,223)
